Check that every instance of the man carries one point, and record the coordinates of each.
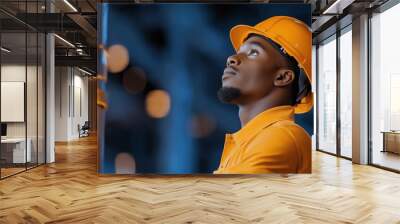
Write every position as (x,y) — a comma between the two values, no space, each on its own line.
(269,79)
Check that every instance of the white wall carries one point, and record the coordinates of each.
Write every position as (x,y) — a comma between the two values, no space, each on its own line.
(71,102)
(61,103)
(12,73)
(33,127)
(13,101)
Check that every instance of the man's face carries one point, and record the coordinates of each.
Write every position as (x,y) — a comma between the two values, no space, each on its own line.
(252,70)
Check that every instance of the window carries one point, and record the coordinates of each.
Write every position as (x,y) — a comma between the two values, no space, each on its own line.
(327,96)
(385,89)
(22,77)
(346,93)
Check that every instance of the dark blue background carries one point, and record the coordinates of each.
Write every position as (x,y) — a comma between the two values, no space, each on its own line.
(183,49)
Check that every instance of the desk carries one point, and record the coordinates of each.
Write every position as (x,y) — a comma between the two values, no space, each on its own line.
(391,141)
(17,150)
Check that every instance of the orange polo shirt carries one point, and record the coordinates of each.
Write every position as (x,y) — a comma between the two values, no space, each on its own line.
(269,143)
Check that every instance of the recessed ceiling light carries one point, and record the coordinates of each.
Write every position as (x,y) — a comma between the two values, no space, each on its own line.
(5,50)
(84,71)
(65,41)
(337,7)
(70,5)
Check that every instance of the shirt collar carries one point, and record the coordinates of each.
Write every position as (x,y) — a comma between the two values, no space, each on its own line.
(263,120)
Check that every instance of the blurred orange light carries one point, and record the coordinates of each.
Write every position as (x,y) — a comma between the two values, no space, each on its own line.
(158,103)
(125,163)
(117,58)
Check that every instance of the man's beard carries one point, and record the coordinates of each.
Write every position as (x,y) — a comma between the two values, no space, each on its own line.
(228,94)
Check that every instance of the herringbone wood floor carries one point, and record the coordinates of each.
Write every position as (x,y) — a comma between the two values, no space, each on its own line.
(70,191)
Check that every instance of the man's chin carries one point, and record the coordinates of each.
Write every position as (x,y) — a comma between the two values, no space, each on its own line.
(229,94)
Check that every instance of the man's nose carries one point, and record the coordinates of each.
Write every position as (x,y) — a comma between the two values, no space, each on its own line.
(233,60)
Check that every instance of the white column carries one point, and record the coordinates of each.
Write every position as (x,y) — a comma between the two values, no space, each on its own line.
(360,89)
(50,99)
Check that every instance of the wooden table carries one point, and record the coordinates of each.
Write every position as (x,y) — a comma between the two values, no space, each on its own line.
(391,141)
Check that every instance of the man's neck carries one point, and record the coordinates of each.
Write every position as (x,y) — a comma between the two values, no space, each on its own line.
(250,110)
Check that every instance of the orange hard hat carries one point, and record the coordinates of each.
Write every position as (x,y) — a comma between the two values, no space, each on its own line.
(293,36)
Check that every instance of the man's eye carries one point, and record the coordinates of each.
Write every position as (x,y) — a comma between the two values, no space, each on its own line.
(253,52)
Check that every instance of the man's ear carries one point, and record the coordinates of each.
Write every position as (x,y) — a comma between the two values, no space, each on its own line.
(283,77)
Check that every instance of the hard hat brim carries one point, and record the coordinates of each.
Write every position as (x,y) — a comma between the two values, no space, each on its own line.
(239,33)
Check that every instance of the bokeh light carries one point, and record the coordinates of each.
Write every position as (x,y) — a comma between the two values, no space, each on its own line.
(202,125)
(117,58)
(158,103)
(125,163)
(134,80)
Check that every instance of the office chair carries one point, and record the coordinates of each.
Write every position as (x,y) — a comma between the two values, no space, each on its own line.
(84,130)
